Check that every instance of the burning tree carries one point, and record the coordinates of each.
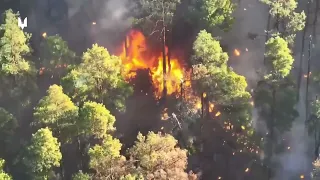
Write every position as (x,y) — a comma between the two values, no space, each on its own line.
(156,17)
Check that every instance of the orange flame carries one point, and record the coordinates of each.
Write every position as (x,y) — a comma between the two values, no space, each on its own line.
(137,55)
(236,52)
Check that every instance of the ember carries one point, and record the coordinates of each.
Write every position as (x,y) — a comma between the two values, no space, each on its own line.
(137,55)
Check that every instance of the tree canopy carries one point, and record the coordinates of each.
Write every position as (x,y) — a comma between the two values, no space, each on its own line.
(42,154)
(279,56)
(158,156)
(96,120)
(97,78)
(3,175)
(14,46)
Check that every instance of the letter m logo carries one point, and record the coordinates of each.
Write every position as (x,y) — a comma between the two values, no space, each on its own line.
(22,24)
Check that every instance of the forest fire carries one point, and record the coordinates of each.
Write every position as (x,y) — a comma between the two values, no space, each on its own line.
(136,54)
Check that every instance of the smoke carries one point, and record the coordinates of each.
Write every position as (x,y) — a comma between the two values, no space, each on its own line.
(115,15)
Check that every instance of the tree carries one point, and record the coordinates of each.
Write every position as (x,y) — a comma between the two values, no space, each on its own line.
(156,16)
(8,126)
(14,46)
(276,90)
(81,176)
(211,75)
(55,54)
(3,175)
(16,73)
(280,58)
(212,13)
(98,78)
(106,160)
(96,120)
(42,154)
(291,21)
(57,111)
(158,157)
(207,51)
(281,8)
(313,126)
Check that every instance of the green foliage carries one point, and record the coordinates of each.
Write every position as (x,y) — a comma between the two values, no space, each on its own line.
(81,176)
(132,177)
(221,86)
(110,148)
(43,154)
(285,111)
(55,53)
(3,175)
(14,46)
(279,56)
(152,11)
(55,108)
(8,126)
(57,111)
(158,156)
(106,160)
(315,108)
(98,77)
(281,8)
(218,12)
(96,120)
(211,13)
(208,51)
(296,22)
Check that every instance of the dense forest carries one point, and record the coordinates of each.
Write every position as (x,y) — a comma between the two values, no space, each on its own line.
(157,106)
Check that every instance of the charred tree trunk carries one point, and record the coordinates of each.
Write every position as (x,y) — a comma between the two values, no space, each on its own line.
(164,62)
(169,50)
(308,79)
(202,106)
(126,46)
(302,49)
(267,34)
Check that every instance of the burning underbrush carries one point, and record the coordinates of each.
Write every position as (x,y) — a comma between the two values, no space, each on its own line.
(137,55)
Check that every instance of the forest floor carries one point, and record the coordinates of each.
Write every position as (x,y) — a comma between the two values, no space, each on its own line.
(251,17)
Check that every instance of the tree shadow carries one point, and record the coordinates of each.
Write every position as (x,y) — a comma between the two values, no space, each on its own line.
(142,110)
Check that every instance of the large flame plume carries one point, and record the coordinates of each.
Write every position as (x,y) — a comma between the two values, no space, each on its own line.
(137,55)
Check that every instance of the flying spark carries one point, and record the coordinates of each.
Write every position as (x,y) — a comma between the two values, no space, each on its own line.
(94,23)
(301,176)
(247,170)
(236,52)
(44,34)
(218,113)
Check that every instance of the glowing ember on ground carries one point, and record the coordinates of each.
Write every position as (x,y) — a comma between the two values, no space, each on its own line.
(236,52)
(211,106)
(137,55)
